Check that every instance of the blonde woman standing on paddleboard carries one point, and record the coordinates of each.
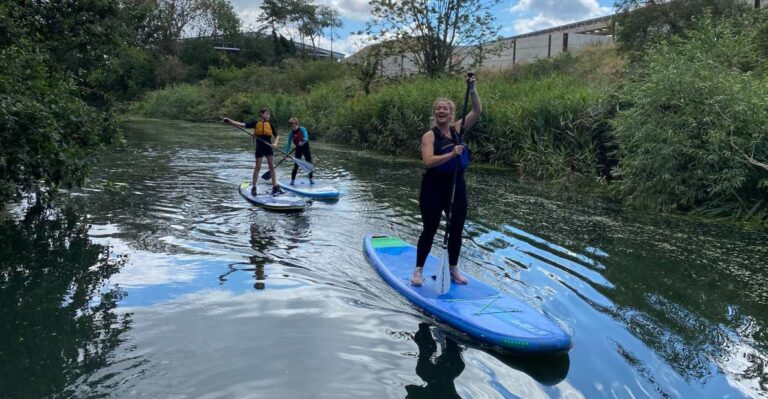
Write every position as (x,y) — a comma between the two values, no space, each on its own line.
(441,149)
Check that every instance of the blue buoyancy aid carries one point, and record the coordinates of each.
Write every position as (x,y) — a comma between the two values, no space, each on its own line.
(444,146)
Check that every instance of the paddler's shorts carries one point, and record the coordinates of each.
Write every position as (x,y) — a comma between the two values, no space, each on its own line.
(263,149)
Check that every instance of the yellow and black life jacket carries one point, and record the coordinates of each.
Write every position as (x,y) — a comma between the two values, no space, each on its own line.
(263,129)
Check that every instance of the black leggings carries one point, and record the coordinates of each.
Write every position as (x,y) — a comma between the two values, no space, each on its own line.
(434,198)
(302,151)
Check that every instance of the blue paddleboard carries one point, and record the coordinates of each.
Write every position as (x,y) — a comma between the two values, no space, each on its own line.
(476,309)
(284,203)
(303,187)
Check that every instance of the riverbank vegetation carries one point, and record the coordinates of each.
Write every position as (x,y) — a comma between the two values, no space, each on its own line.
(673,122)
(671,118)
(68,67)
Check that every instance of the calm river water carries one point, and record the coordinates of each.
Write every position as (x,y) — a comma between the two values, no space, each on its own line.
(176,287)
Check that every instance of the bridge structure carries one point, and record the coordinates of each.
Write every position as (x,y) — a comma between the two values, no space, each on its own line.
(316,52)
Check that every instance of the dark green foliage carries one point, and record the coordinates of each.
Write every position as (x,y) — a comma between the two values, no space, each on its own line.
(128,74)
(95,42)
(48,134)
(199,55)
(240,92)
(689,116)
(543,125)
(182,101)
(694,115)
(643,22)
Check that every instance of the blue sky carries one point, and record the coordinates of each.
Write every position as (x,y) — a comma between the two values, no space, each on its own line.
(513,16)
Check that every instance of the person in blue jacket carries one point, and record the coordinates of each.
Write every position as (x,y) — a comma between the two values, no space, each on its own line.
(299,138)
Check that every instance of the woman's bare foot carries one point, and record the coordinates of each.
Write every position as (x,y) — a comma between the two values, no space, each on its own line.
(457,276)
(417,278)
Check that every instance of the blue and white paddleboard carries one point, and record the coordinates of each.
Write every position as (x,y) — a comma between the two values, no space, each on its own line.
(303,187)
(285,203)
(476,309)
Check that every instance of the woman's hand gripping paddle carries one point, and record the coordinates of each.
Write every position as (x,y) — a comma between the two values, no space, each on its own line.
(444,273)
(267,175)
(304,165)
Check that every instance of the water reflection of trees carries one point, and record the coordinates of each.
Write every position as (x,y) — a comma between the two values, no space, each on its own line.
(58,320)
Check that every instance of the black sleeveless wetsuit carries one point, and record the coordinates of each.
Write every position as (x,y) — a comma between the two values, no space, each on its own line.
(435,197)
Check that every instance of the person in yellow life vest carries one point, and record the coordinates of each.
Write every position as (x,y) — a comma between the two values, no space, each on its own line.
(264,134)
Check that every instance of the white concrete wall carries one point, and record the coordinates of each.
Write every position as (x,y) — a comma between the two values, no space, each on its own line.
(397,65)
(530,47)
(526,48)
(577,41)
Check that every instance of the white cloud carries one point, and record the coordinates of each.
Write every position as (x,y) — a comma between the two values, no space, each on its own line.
(352,10)
(356,10)
(538,22)
(249,17)
(541,14)
(348,45)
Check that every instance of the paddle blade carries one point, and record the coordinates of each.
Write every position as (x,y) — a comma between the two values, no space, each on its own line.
(304,165)
(443,274)
(266,175)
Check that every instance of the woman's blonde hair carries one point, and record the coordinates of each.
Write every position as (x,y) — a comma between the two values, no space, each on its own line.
(293,119)
(451,106)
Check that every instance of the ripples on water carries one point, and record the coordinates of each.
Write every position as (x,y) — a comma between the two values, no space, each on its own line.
(228,300)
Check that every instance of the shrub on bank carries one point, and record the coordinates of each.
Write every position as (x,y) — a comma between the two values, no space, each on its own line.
(48,135)
(191,102)
(535,123)
(695,117)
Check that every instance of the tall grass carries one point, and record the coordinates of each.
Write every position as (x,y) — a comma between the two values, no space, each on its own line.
(536,118)
(183,101)
(689,119)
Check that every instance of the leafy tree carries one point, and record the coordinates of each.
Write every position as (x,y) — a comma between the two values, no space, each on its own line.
(640,22)
(275,15)
(367,66)
(82,38)
(436,35)
(50,61)
(691,130)
(332,20)
(327,18)
(177,19)
(48,134)
(300,16)
(313,20)
(303,13)
(221,20)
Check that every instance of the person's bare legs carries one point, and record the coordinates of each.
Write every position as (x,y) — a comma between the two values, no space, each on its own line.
(271,163)
(256,170)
